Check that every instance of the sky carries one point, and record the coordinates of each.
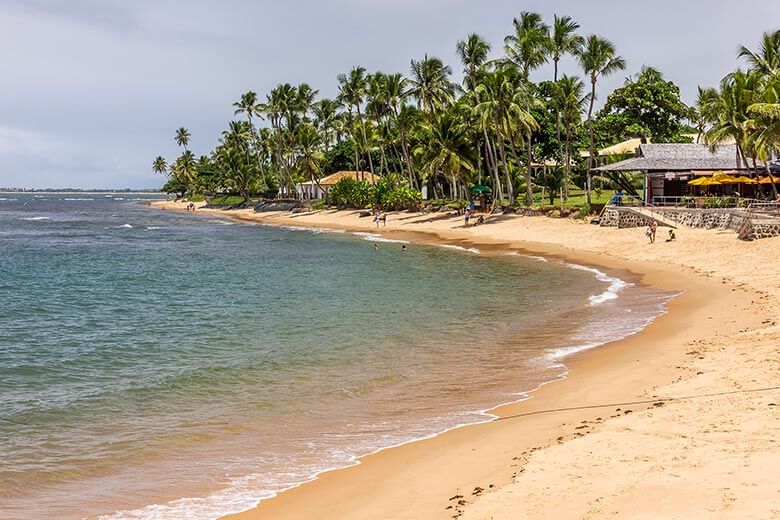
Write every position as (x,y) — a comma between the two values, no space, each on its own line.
(92,90)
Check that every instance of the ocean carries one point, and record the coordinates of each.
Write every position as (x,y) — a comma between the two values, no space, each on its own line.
(160,365)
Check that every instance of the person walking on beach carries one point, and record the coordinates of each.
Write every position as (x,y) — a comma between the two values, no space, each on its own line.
(653,228)
(466,216)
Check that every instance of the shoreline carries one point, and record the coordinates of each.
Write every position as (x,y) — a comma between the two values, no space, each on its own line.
(439,461)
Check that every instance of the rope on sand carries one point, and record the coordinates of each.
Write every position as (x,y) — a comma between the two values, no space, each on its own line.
(648,401)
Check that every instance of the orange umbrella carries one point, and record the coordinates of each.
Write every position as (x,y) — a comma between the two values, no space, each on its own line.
(768,180)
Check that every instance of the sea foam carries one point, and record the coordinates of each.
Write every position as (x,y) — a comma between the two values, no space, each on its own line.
(374,237)
(615,284)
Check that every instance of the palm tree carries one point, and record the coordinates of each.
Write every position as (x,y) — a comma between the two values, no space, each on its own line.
(325,112)
(569,101)
(564,40)
(159,165)
(473,54)
(767,60)
(249,105)
(529,47)
(310,158)
(352,88)
(444,148)
(702,114)
(504,105)
(183,137)
(728,106)
(430,84)
(597,59)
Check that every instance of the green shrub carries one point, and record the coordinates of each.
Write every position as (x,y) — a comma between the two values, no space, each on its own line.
(387,194)
(228,201)
(583,212)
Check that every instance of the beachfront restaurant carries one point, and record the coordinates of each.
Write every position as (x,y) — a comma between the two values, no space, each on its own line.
(676,171)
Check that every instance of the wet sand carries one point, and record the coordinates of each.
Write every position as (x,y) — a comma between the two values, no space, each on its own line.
(702,457)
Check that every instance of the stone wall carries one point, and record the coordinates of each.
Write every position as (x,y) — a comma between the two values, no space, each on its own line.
(619,217)
(756,228)
(730,219)
(748,227)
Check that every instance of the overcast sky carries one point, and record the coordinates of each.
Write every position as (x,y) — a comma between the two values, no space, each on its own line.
(92,90)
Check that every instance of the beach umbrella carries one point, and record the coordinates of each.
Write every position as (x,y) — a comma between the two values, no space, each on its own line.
(768,180)
(745,180)
(480,188)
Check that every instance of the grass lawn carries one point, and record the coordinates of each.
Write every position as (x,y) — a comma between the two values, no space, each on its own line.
(577,198)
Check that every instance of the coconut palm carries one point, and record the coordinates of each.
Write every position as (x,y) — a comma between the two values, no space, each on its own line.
(183,137)
(729,107)
(430,85)
(529,47)
(159,165)
(352,91)
(249,105)
(598,58)
(444,148)
(766,60)
(569,100)
(564,40)
(473,53)
(325,112)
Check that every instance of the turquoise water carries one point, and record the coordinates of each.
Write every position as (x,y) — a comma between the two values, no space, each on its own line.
(167,365)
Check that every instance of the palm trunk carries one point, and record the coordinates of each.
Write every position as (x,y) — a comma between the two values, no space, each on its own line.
(509,188)
(592,158)
(529,194)
(491,153)
(771,178)
(567,176)
(365,143)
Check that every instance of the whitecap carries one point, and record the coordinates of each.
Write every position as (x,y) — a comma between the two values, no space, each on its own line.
(125,226)
(615,284)
(6,199)
(459,248)
(80,198)
(35,218)
(152,228)
(374,237)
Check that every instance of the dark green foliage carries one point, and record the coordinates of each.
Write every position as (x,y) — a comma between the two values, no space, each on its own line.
(351,193)
(175,185)
(388,194)
(228,201)
(339,158)
(648,107)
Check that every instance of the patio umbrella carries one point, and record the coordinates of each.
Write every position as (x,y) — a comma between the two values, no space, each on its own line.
(745,180)
(703,181)
(480,188)
(768,180)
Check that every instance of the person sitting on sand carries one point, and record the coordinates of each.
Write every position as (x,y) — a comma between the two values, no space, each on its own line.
(481,219)
(671,238)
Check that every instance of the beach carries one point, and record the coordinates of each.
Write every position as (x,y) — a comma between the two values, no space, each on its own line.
(709,455)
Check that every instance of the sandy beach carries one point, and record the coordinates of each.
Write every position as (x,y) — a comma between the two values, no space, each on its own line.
(680,421)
